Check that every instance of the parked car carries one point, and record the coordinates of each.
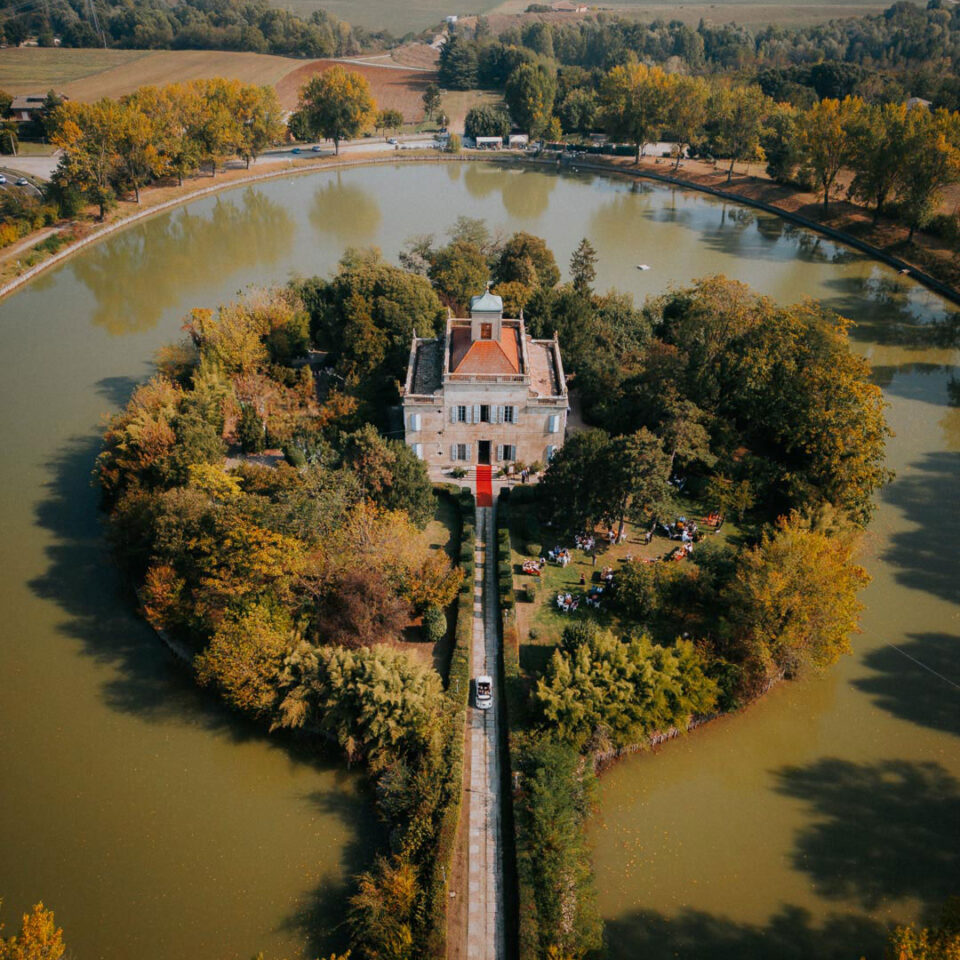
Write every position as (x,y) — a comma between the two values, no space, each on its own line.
(484,693)
(392,140)
(296,150)
(3,179)
(23,182)
(316,148)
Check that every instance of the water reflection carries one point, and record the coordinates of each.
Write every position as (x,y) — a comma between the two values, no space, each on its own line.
(698,935)
(346,211)
(138,274)
(890,309)
(525,193)
(881,831)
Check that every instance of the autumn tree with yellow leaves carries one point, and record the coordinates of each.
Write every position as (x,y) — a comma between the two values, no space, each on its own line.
(40,938)
(336,104)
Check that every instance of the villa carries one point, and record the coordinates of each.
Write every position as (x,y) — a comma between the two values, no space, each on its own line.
(484,393)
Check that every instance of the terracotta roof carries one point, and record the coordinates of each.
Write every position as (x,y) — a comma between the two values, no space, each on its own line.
(484,356)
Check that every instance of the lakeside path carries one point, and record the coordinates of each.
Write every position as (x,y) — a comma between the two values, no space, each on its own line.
(748,190)
(486,936)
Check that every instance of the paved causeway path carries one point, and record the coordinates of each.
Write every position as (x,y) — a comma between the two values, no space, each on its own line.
(485,928)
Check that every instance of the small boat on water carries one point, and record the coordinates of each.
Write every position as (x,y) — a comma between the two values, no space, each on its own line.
(643,266)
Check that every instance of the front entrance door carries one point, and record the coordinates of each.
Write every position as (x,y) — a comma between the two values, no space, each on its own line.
(483,452)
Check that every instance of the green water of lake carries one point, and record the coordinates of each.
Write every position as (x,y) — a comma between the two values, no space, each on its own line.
(158,826)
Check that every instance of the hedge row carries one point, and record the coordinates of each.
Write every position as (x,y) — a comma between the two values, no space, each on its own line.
(527,927)
(458,690)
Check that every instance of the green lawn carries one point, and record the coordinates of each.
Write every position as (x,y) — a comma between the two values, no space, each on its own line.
(541,623)
(441,533)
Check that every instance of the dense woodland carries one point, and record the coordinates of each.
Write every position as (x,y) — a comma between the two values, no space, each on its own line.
(253,25)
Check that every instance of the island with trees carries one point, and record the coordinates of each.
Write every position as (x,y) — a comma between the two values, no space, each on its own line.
(273,533)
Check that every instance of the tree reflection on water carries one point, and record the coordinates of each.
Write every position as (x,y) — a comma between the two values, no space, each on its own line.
(138,274)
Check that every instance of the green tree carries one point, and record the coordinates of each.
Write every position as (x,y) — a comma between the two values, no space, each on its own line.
(569,489)
(486,121)
(529,95)
(250,430)
(434,624)
(736,119)
(337,104)
(526,259)
(826,135)
(261,120)
(431,101)
(388,120)
(578,110)
(781,143)
(457,69)
(633,479)
(633,103)
(625,690)
(459,271)
(686,110)
(583,267)
(877,155)
(931,144)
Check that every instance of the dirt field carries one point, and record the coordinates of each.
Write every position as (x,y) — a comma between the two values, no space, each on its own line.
(89,74)
(393,88)
(747,14)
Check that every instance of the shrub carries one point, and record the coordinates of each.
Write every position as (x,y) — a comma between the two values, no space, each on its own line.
(458,472)
(294,455)
(530,592)
(434,624)
(250,430)
(535,549)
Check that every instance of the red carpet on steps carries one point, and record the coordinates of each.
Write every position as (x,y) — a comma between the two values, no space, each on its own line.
(484,486)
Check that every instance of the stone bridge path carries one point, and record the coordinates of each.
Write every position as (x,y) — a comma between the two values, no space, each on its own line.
(485,920)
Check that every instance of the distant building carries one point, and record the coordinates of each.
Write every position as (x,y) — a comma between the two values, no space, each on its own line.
(489,143)
(26,108)
(912,102)
(518,140)
(566,6)
(485,392)
(452,19)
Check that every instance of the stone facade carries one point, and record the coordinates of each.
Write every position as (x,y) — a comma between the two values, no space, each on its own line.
(485,392)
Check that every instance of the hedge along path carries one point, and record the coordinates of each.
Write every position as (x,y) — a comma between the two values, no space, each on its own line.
(486,933)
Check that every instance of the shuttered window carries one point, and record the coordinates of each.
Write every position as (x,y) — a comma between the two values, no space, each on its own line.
(509,414)
(414,422)
(418,450)
(553,423)
(550,452)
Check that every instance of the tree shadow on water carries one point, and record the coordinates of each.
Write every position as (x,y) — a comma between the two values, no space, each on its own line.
(697,935)
(99,613)
(881,831)
(924,556)
(321,919)
(918,681)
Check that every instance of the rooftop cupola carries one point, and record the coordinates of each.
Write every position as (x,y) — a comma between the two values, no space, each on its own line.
(486,316)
